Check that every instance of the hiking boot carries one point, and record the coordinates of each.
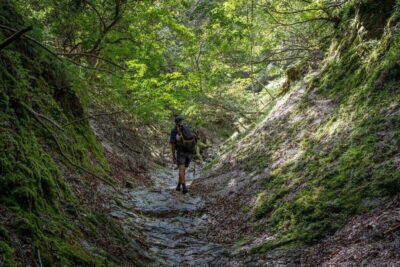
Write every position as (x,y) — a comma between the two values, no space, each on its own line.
(178,187)
(184,190)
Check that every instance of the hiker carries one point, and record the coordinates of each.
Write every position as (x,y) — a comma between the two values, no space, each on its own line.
(183,141)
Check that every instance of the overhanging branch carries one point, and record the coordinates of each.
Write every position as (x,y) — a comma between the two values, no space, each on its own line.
(27,37)
(14,37)
(94,56)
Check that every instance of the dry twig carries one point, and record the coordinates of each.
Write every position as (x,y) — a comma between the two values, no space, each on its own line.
(40,258)
(393,229)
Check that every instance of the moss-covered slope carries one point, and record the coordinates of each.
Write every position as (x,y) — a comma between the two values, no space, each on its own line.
(330,148)
(40,219)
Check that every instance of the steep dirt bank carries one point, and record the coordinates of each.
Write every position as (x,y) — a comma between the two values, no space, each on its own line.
(127,151)
(372,239)
(51,164)
(307,176)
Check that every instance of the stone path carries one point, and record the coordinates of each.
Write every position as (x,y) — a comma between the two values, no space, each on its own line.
(173,225)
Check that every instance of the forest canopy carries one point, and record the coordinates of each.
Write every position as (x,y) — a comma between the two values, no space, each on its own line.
(211,59)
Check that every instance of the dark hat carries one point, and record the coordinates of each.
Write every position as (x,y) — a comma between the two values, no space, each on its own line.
(178,118)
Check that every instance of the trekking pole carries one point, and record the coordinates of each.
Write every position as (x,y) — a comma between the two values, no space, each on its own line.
(194,171)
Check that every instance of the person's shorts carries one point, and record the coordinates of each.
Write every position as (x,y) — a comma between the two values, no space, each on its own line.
(183,158)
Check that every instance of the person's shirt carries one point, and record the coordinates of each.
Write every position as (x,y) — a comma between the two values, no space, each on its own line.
(174,138)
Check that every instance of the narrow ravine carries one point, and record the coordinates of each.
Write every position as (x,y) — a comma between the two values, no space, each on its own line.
(174,225)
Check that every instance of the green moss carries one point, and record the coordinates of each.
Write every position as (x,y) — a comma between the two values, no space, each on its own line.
(6,255)
(34,192)
(210,165)
(257,164)
(348,163)
(270,245)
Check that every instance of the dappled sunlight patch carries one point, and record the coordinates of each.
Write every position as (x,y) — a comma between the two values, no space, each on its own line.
(232,183)
(333,128)
(285,155)
(284,105)
(261,197)
(256,242)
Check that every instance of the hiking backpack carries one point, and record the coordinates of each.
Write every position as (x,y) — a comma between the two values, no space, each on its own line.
(188,138)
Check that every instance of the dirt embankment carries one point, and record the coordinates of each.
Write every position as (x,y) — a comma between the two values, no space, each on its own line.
(317,181)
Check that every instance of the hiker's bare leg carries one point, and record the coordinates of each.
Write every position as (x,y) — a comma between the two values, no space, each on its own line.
(182,174)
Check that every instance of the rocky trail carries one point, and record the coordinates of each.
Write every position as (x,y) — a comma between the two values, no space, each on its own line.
(173,225)
(212,225)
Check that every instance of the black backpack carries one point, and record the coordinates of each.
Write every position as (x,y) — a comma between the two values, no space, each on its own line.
(188,138)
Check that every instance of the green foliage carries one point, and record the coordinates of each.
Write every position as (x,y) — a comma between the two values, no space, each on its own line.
(190,57)
(6,255)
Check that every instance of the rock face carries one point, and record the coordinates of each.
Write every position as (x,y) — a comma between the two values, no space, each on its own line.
(173,226)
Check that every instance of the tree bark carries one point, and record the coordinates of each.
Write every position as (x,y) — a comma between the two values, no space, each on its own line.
(14,37)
